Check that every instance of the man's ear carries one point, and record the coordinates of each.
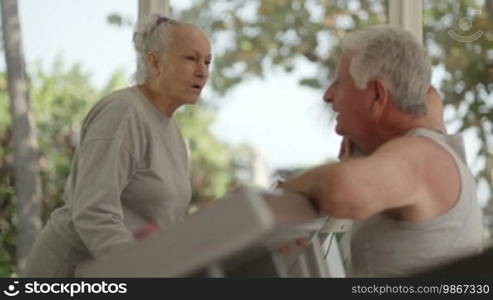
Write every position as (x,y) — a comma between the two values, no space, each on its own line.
(381,97)
(153,63)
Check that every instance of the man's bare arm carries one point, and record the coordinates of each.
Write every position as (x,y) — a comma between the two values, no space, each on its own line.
(393,176)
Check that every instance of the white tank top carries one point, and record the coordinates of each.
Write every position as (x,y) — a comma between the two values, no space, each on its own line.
(385,247)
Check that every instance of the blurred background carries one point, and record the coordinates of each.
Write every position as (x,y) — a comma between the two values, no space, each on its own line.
(261,115)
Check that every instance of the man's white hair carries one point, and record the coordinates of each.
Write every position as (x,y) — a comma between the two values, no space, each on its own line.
(394,56)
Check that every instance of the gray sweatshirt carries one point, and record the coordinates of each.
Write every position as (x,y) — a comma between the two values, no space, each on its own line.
(131,168)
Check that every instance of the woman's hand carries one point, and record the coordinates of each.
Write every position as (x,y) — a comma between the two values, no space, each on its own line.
(345,149)
(434,107)
(146,230)
(286,248)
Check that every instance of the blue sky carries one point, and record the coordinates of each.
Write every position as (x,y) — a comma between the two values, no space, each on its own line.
(78,32)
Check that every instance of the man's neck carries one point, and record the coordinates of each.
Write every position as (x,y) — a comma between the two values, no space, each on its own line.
(388,131)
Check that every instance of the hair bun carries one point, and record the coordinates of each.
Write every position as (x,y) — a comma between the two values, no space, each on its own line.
(143,27)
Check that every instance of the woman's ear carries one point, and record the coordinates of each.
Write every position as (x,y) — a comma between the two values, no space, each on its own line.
(153,63)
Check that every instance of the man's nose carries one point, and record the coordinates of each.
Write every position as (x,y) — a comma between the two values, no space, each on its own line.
(329,94)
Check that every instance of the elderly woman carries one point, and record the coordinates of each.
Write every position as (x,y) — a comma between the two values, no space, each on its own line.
(130,168)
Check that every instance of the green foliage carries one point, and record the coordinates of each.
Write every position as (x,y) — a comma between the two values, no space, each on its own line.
(212,166)
(7,203)
(118,20)
(7,228)
(61,98)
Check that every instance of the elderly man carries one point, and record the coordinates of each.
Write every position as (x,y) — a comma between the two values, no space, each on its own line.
(412,195)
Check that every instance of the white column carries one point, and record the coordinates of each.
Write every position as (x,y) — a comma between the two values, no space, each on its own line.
(147,7)
(407,14)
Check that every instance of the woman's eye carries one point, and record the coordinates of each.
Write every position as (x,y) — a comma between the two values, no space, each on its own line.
(190,58)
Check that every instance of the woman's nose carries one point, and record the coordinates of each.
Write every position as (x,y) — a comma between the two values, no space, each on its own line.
(201,70)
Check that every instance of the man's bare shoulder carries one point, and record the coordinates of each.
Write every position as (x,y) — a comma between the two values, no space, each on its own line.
(419,151)
(407,155)
(432,167)
(407,145)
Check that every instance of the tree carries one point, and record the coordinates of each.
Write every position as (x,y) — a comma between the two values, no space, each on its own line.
(24,146)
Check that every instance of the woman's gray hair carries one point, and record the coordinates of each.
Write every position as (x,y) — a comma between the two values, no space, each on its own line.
(393,55)
(153,34)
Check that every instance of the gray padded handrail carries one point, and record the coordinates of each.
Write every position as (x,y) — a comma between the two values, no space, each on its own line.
(230,232)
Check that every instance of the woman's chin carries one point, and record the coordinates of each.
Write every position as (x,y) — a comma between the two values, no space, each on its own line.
(191,100)
(338,130)
(194,100)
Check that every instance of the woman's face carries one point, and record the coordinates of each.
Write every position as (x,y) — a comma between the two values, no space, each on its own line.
(184,69)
